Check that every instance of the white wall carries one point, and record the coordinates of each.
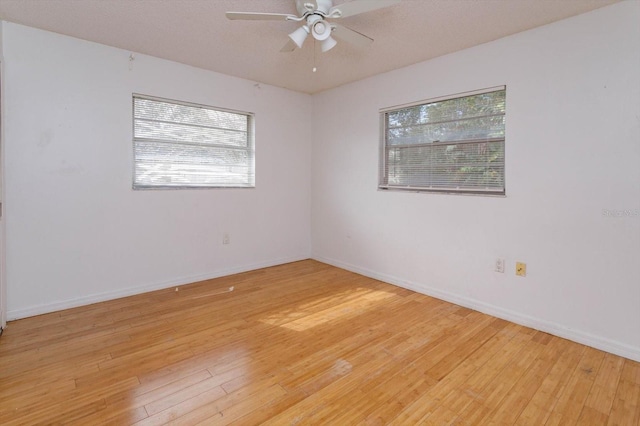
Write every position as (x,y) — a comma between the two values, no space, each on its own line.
(3,287)
(77,232)
(572,150)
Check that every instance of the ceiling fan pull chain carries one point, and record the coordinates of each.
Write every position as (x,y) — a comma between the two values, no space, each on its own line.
(314,56)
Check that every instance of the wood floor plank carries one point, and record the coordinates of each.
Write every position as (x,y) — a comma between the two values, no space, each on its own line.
(512,405)
(605,385)
(572,398)
(302,343)
(626,404)
(115,415)
(68,406)
(541,404)
(203,399)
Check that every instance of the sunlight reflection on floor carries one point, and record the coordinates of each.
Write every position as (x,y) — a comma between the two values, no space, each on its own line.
(339,306)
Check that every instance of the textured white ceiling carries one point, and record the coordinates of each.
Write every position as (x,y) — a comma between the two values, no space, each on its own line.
(196,32)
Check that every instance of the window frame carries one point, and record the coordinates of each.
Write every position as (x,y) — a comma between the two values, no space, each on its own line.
(250,144)
(383,174)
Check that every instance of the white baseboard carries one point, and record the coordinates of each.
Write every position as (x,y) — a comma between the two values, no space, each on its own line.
(556,329)
(101,297)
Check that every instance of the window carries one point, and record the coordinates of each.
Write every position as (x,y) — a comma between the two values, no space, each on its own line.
(181,145)
(453,144)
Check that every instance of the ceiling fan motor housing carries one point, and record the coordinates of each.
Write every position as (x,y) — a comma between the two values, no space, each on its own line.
(306,5)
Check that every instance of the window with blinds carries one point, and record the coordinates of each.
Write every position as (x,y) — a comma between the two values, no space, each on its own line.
(453,144)
(182,145)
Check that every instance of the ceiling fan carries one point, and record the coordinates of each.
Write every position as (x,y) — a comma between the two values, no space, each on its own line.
(316,16)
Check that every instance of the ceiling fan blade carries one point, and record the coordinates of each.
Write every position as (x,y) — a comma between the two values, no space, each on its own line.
(350,36)
(289,47)
(356,7)
(249,16)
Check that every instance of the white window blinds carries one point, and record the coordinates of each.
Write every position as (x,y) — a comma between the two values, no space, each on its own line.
(181,145)
(446,145)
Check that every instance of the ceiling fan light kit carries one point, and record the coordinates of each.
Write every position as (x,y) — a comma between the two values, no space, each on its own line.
(321,30)
(316,16)
(328,44)
(299,35)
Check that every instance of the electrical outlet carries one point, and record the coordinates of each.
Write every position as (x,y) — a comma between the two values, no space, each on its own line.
(499,265)
(521,269)
(226,239)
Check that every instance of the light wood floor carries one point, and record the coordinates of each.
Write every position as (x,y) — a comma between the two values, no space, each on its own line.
(303,343)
